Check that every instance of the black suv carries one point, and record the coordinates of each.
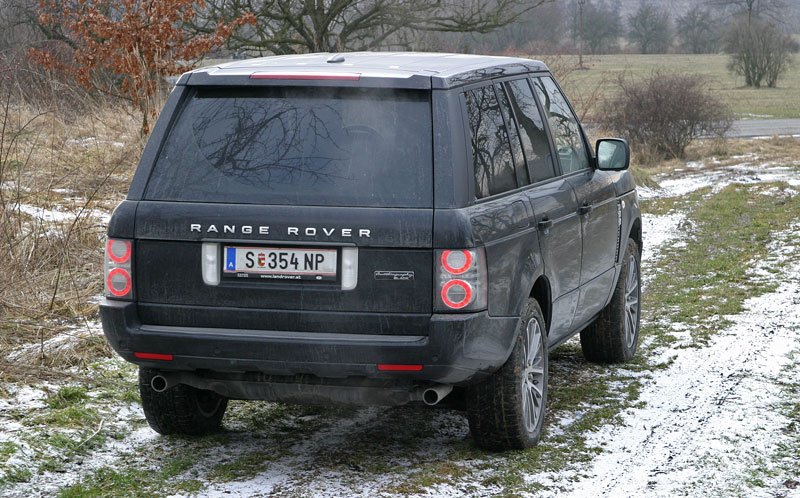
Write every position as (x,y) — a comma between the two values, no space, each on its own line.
(370,229)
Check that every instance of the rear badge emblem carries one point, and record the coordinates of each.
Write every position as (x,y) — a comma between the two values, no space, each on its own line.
(394,275)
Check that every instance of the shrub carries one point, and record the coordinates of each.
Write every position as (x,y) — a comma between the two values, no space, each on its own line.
(759,52)
(665,112)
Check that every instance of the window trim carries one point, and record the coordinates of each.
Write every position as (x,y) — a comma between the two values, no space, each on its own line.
(589,150)
(556,165)
(518,168)
(559,175)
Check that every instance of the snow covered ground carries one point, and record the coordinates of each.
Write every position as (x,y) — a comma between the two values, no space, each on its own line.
(701,424)
(713,416)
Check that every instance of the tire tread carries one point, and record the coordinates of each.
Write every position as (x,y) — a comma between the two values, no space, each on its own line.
(175,411)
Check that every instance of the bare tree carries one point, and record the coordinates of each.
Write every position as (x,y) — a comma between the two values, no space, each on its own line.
(698,30)
(759,51)
(752,9)
(650,28)
(537,30)
(602,27)
(297,26)
(16,23)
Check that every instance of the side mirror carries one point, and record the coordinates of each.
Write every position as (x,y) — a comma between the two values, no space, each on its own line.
(613,154)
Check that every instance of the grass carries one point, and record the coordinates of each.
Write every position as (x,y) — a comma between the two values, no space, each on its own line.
(781,102)
(246,466)
(710,277)
(788,456)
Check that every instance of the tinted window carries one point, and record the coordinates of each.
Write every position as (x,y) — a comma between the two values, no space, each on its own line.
(534,136)
(344,147)
(563,125)
(513,136)
(494,168)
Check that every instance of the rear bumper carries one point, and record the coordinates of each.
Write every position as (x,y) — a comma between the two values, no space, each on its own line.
(459,348)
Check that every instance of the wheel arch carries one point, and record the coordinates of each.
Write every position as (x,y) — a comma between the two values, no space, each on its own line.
(636,233)
(541,292)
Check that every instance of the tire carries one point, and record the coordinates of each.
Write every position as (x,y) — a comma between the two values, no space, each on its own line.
(613,336)
(507,410)
(180,409)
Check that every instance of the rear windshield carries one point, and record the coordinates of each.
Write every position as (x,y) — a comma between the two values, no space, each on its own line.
(303,146)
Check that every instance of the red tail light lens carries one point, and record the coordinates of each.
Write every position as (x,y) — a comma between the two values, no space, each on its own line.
(461,280)
(456,294)
(119,269)
(456,262)
(119,251)
(119,282)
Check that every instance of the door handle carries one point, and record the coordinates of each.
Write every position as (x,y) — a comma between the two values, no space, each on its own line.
(545,225)
(585,209)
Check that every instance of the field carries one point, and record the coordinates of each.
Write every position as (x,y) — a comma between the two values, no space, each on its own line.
(746,103)
(709,406)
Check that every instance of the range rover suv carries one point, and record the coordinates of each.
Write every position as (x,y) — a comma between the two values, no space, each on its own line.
(370,229)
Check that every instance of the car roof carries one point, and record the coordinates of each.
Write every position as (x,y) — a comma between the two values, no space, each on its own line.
(416,69)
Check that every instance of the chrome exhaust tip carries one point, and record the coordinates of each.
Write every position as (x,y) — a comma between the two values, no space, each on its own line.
(433,395)
(159,383)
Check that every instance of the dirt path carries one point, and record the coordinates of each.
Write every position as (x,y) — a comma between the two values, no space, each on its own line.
(712,418)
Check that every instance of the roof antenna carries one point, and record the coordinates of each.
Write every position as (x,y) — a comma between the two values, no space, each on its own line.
(335,58)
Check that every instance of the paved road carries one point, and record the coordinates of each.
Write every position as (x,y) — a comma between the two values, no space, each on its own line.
(764,127)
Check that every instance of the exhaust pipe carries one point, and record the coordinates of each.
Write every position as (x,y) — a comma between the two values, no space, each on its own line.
(434,395)
(159,383)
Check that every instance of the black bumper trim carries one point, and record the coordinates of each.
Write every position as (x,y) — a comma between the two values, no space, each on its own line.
(459,348)
(270,335)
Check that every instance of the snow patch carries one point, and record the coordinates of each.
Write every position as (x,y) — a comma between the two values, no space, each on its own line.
(59,344)
(711,415)
(658,233)
(747,172)
(93,142)
(58,216)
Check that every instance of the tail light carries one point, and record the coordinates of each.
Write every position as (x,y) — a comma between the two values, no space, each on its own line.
(460,280)
(119,269)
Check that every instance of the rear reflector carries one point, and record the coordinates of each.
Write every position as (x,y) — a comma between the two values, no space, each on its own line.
(383,367)
(153,356)
(306,76)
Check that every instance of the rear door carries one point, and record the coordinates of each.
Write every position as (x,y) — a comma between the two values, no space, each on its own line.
(554,203)
(289,199)
(596,199)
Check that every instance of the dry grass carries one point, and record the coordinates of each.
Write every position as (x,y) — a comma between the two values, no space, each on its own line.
(730,151)
(781,102)
(716,153)
(60,177)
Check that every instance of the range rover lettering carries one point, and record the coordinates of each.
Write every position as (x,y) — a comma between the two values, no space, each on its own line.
(371,229)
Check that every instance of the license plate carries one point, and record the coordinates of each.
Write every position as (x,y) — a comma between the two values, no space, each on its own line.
(280,263)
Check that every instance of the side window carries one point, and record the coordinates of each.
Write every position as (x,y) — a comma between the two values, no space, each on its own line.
(564,126)
(531,127)
(513,137)
(494,167)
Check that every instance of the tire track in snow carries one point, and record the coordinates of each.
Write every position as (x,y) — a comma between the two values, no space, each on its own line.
(712,416)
